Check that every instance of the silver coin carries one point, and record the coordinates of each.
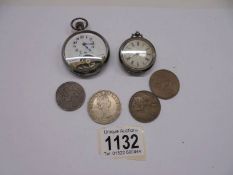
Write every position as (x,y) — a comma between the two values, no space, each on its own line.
(70,96)
(104,107)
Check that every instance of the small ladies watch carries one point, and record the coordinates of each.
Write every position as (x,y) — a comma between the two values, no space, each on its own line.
(137,54)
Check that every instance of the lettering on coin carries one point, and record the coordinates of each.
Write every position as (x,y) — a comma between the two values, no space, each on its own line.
(144,106)
(104,107)
(70,96)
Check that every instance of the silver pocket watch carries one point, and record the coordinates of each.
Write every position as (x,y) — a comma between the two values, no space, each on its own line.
(137,54)
(85,52)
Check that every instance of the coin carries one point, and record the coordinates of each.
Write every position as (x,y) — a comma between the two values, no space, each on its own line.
(164,84)
(144,106)
(70,96)
(104,107)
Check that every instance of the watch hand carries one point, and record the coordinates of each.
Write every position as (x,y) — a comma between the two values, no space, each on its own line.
(133,55)
(89,43)
(85,45)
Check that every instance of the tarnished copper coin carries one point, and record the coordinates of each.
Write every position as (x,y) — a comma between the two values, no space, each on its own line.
(104,107)
(164,84)
(70,96)
(144,106)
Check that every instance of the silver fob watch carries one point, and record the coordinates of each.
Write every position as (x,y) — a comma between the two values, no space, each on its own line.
(137,54)
(84,52)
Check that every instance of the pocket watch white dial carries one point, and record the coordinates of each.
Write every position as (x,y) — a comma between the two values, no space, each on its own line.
(137,54)
(85,52)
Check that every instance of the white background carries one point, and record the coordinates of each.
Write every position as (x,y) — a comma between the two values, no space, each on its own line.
(194,132)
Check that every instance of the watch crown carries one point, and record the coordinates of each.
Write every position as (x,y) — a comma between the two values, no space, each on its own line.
(137,34)
(79,24)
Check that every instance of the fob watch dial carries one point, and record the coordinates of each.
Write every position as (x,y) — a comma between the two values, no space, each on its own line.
(85,52)
(137,54)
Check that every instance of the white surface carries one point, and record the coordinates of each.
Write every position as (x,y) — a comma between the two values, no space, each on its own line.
(192,135)
(150,3)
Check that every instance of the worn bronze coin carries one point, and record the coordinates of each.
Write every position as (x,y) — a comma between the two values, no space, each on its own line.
(164,84)
(104,107)
(70,96)
(144,106)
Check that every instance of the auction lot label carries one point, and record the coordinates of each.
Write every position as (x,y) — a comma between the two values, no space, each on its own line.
(122,142)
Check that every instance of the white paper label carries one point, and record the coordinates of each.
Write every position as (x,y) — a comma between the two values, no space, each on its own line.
(122,142)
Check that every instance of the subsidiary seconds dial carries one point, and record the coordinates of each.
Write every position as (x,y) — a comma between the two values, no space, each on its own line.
(137,54)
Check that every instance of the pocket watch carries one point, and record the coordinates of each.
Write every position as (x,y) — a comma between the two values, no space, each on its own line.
(85,51)
(137,54)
